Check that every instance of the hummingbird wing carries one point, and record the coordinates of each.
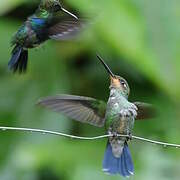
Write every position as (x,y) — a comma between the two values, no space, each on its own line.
(65,29)
(145,111)
(83,109)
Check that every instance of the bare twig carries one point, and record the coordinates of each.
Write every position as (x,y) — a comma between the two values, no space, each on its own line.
(86,138)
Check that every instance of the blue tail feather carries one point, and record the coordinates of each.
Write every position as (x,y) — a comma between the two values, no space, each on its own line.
(110,163)
(15,56)
(123,165)
(128,162)
(18,61)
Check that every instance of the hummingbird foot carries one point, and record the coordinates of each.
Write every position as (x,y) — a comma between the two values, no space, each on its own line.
(115,134)
(112,134)
(130,137)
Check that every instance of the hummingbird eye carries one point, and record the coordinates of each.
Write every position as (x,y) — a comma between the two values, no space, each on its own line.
(123,83)
(56,7)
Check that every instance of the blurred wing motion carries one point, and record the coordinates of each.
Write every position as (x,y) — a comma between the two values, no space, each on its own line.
(83,109)
(65,29)
(145,111)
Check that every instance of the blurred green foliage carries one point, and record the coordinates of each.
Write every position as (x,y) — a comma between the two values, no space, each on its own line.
(140,40)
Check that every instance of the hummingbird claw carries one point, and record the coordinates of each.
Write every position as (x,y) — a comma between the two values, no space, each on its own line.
(130,137)
(113,134)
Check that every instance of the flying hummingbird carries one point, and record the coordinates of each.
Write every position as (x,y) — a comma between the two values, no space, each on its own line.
(117,116)
(46,23)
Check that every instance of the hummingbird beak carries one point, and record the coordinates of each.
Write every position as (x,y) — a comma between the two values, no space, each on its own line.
(114,80)
(106,67)
(71,14)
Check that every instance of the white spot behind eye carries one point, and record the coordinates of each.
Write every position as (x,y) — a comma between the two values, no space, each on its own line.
(125,85)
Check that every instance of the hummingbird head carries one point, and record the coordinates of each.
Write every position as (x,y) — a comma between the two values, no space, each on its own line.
(54,6)
(117,82)
(50,5)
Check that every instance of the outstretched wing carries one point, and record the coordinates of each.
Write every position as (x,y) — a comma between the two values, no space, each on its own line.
(145,111)
(65,29)
(83,109)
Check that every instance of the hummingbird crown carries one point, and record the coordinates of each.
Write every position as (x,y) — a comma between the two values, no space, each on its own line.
(50,5)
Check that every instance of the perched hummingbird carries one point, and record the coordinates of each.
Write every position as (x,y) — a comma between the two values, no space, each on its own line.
(46,23)
(117,116)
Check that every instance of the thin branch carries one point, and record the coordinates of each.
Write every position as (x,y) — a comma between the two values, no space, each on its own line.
(86,138)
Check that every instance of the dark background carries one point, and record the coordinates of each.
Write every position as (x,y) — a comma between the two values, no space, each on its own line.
(140,41)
